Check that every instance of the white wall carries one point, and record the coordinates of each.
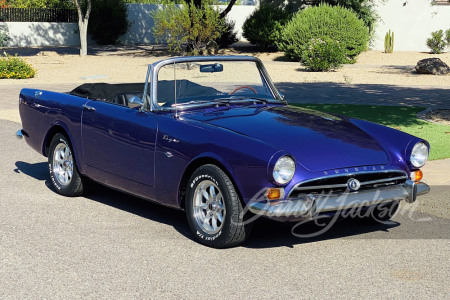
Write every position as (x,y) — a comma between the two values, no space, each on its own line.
(412,24)
(238,14)
(41,34)
(37,34)
(141,29)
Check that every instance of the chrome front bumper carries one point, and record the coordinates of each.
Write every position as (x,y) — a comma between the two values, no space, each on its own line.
(311,205)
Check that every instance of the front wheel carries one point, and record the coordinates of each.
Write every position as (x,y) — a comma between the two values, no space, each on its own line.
(214,210)
(62,168)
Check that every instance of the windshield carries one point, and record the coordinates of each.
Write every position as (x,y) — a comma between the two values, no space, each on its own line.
(186,83)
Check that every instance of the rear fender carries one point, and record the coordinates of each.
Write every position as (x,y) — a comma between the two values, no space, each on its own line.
(61,127)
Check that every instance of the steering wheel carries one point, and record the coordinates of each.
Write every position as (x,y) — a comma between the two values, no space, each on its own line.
(242,87)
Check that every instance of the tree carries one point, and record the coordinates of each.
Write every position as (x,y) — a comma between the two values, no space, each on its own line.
(83,19)
(198,4)
(227,9)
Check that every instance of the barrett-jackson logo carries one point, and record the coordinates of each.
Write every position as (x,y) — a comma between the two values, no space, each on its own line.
(352,170)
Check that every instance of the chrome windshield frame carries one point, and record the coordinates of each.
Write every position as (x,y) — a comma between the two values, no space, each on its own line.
(153,69)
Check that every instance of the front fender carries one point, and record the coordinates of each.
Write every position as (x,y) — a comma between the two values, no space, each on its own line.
(397,144)
(245,159)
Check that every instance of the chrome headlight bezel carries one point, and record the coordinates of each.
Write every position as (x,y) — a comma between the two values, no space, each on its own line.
(284,170)
(419,155)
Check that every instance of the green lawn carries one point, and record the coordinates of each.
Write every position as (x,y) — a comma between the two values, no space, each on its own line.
(398,117)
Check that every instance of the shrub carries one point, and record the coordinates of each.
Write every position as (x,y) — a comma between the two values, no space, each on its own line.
(15,67)
(437,42)
(228,36)
(364,9)
(264,26)
(4,35)
(322,55)
(190,26)
(108,21)
(324,21)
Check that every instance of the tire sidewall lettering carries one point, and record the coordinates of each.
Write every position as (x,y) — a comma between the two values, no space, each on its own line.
(50,167)
(197,179)
(193,184)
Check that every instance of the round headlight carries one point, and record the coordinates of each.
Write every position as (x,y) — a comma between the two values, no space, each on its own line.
(419,155)
(284,170)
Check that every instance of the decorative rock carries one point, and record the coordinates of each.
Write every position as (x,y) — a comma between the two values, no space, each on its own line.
(432,66)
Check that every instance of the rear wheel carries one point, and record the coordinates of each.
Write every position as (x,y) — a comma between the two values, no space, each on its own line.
(214,210)
(64,174)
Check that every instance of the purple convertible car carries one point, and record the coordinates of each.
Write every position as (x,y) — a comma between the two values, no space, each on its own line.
(213,136)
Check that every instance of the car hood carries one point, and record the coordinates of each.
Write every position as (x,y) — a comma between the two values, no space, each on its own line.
(317,140)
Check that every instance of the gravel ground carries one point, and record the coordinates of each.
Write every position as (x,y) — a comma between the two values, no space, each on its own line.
(113,246)
(130,65)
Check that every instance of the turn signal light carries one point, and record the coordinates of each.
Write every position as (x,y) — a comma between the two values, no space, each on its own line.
(416,175)
(273,194)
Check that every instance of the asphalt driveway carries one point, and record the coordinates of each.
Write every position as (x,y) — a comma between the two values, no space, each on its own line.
(111,245)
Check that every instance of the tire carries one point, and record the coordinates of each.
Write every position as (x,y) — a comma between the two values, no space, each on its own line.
(214,210)
(64,174)
(380,213)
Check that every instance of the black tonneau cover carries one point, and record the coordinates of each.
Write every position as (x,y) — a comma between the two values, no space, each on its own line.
(105,91)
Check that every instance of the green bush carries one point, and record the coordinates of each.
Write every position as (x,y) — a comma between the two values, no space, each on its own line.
(15,67)
(108,21)
(228,36)
(364,9)
(438,42)
(189,28)
(264,26)
(4,35)
(324,21)
(322,55)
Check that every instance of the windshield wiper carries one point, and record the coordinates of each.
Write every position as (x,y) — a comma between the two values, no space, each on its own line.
(191,102)
(227,101)
(240,99)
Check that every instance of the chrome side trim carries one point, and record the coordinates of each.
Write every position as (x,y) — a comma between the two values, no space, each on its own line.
(19,134)
(342,175)
(310,206)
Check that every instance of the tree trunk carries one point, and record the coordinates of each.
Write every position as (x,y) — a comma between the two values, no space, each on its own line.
(83,24)
(82,28)
(227,9)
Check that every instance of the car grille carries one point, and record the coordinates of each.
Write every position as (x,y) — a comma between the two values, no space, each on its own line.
(337,184)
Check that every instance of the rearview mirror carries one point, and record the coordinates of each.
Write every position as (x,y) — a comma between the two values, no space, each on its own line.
(211,68)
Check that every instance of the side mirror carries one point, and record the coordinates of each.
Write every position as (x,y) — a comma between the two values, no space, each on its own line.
(135,102)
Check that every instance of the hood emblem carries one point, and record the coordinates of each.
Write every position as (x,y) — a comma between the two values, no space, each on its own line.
(353,184)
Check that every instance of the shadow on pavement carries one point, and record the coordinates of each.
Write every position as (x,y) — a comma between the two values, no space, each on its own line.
(266,233)
(270,234)
(38,171)
(370,94)
(126,50)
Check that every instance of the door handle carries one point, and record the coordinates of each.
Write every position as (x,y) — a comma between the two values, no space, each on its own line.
(88,107)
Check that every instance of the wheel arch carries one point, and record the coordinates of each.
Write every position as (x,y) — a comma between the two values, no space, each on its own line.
(62,129)
(193,166)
